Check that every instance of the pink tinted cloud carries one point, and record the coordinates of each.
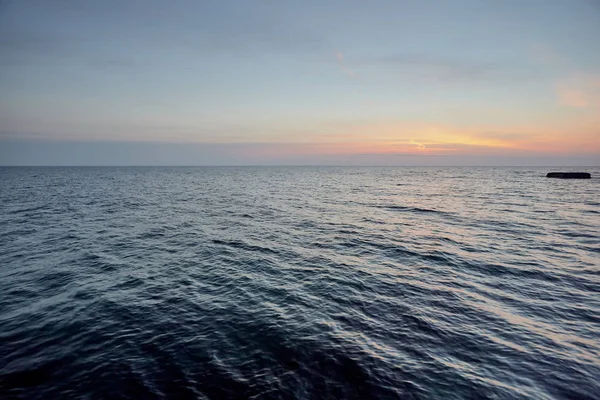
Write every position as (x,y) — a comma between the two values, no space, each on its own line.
(580,91)
(340,59)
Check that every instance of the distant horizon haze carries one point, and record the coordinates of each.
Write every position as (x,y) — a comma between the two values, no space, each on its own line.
(129,154)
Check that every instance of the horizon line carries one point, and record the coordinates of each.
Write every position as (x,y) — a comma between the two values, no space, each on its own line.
(287,166)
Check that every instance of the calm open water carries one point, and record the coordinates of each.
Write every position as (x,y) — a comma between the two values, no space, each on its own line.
(416,283)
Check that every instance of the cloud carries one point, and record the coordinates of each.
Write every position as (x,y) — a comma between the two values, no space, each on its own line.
(546,55)
(19,48)
(419,145)
(504,136)
(143,33)
(441,69)
(24,47)
(340,59)
(580,91)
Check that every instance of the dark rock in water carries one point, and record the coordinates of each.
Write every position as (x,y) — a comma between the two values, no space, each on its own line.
(569,175)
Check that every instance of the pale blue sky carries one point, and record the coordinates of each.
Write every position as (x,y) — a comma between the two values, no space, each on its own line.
(338,77)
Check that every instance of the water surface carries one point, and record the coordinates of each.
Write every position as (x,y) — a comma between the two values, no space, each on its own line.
(417,283)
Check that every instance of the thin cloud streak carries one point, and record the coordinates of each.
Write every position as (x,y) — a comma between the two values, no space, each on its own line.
(445,70)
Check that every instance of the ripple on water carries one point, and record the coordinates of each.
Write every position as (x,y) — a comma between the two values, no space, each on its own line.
(298,283)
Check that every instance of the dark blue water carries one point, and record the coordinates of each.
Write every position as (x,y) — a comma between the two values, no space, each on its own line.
(309,283)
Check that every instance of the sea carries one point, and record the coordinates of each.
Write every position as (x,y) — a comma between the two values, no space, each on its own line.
(299,283)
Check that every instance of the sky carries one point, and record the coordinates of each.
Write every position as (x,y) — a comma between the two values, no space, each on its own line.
(190,82)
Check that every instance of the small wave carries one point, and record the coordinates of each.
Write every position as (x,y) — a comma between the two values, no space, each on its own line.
(410,209)
(238,244)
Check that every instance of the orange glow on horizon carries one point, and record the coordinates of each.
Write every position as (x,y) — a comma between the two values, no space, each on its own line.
(438,140)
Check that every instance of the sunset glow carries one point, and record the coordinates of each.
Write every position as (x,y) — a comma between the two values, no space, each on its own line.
(274,83)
